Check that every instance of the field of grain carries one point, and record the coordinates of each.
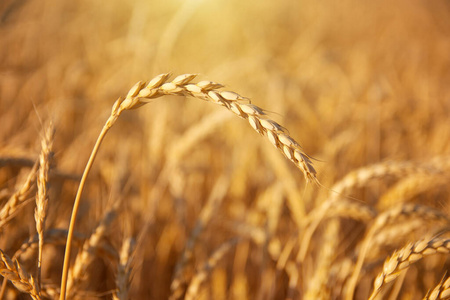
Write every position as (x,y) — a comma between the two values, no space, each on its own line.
(187,197)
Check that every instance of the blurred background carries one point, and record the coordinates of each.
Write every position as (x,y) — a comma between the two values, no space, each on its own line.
(354,82)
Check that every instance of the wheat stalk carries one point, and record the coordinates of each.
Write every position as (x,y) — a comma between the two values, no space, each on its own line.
(206,268)
(408,255)
(181,276)
(317,286)
(18,199)
(20,279)
(124,269)
(142,93)
(333,208)
(86,256)
(40,213)
(53,235)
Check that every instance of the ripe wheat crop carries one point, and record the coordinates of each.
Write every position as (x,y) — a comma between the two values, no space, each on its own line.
(317,168)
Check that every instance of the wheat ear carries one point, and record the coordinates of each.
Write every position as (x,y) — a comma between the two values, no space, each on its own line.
(402,259)
(124,269)
(40,213)
(441,291)
(387,217)
(86,255)
(142,92)
(20,279)
(205,269)
(18,199)
(177,287)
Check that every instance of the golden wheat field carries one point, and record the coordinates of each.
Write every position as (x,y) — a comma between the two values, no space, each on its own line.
(284,149)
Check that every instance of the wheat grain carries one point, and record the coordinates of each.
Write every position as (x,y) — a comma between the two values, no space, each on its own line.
(86,255)
(411,186)
(124,269)
(387,217)
(359,178)
(332,208)
(206,268)
(294,198)
(53,235)
(362,176)
(142,92)
(18,199)
(441,291)
(408,255)
(318,282)
(20,279)
(40,214)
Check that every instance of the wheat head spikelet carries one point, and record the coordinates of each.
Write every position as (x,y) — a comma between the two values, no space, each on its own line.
(16,201)
(396,213)
(205,269)
(87,254)
(124,269)
(408,255)
(40,213)
(319,280)
(142,92)
(441,291)
(20,279)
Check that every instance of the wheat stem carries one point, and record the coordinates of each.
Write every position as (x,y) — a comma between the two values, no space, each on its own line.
(106,127)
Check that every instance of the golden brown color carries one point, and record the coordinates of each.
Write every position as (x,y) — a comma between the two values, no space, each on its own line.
(216,211)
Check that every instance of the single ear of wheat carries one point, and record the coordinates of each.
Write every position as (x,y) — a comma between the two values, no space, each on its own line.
(402,259)
(142,93)
(19,278)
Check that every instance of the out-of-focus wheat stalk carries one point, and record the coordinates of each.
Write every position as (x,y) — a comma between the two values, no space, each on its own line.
(40,214)
(124,269)
(86,255)
(17,200)
(180,279)
(201,275)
